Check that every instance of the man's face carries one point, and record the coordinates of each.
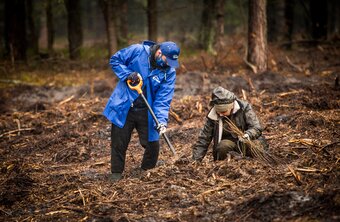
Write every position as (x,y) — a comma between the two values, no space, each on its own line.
(159,54)
(225,113)
(224,109)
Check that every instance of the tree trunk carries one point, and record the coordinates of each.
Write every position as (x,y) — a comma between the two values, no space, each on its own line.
(123,26)
(2,30)
(219,8)
(152,20)
(107,7)
(276,20)
(257,34)
(334,19)
(318,10)
(289,21)
(15,29)
(32,37)
(50,26)
(206,35)
(74,28)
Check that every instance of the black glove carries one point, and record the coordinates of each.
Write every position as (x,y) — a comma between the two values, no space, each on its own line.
(134,77)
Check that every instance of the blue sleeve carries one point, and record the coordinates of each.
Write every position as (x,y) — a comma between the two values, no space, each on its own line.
(164,97)
(121,60)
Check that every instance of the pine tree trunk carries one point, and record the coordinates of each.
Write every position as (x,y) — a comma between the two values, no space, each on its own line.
(107,7)
(219,33)
(50,27)
(257,34)
(333,19)
(206,35)
(123,22)
(15,29)
(289,21)
(74,28)
(276,20)
(318,11)
(152,20)
(32,37)
(111,28)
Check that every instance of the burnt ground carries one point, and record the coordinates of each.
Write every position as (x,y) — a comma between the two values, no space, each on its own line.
(55,151)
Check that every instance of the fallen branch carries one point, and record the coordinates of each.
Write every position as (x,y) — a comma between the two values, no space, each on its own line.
(327,145)
(253,67)
(66,100)
(298,68)
(204,63)
(296,175)
(244,94)
(15,131)
(176,117)
(250,82)
(309,170)
(290,93)
(222,187)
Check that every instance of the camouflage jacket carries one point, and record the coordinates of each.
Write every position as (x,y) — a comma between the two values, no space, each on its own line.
(215,128)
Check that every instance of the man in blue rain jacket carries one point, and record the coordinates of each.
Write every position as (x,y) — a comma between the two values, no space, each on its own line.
(155,64)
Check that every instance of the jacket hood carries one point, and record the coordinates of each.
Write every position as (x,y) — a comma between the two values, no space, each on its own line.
(222,96)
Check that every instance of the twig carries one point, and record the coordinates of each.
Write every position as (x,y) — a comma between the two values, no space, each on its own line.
(327,145)
(290,93)
(219,188)
(82,196)
(176,116)
(244,94)
(15,131)
(204,63)
(19,127)
(310,170)
(58,211)
(253,67)
(256,150)
(8,213)
(296,175)
(66,100)
(250,82)
(293,65)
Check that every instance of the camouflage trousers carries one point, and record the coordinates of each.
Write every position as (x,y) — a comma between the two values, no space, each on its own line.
(225,147)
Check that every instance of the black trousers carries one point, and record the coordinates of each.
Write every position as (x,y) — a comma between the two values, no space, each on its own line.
(120,138)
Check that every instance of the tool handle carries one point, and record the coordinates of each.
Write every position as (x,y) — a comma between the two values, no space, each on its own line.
(169,144)
(137,87)
(157,123)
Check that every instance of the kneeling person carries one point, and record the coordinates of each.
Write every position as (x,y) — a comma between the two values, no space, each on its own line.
(225,106)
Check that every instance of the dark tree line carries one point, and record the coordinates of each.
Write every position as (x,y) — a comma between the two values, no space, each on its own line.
(204,23)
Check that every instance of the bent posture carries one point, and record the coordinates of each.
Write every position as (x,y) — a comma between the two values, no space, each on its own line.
(225,106)
(155,64)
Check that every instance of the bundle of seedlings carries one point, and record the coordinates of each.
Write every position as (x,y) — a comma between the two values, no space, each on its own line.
(256,150)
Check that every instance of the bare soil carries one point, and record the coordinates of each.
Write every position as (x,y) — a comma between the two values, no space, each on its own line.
(55,150)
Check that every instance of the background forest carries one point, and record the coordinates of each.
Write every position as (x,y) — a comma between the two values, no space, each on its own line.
(282,56)
(32,29)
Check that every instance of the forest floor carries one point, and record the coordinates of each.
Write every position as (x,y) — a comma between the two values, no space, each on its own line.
(55,146)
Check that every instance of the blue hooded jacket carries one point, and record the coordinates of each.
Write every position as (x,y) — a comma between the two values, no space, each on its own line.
(160,85)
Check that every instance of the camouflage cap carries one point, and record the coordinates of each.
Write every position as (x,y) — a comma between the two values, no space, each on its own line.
(222,96)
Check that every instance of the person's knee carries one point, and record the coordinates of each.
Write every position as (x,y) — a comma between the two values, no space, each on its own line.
(262,142)
(150,155)
(223,148)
